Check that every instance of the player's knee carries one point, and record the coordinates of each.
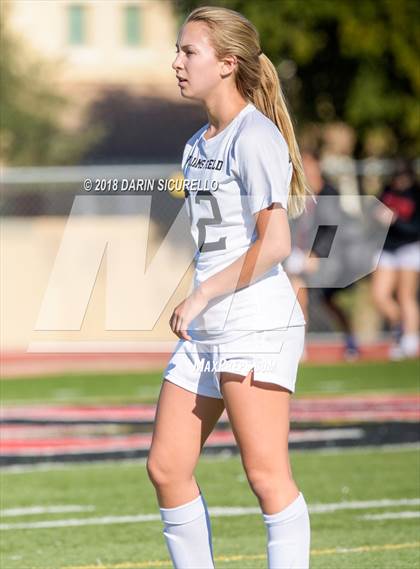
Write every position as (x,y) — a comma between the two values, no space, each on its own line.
(162,472)
(380,297)
(157,472)
(406,298)
(266,482)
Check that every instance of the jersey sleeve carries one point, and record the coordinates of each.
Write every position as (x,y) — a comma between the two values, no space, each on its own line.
(262,158)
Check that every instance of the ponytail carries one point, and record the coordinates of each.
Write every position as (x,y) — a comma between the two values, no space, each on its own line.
(270,100)
(257,81)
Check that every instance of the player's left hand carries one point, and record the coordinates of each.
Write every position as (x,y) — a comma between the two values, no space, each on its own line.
(186,311)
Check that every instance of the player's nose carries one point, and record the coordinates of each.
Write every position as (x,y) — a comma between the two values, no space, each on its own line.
(176,64)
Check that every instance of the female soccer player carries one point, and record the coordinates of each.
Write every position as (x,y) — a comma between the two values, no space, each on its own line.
(399,263)
(241,331)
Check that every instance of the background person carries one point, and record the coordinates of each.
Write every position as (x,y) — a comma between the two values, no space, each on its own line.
(321,220)
(395,281)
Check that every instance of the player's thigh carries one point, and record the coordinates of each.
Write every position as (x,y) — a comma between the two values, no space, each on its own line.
(408,281)
(384,281)
(259,417)
(183,422)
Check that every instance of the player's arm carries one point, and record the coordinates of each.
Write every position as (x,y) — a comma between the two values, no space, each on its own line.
(261,162)
(272,246)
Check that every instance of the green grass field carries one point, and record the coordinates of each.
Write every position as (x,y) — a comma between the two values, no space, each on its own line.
(123,489)
(341,538)
(314,380)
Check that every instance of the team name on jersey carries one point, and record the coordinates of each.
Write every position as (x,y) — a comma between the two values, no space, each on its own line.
(196,162)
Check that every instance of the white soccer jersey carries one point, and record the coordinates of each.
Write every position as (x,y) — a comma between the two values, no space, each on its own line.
(230,177)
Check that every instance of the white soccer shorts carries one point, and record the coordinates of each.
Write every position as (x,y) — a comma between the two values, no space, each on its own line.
(405,257)
(273,354)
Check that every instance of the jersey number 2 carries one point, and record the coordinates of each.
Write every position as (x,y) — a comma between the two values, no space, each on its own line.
(201,224)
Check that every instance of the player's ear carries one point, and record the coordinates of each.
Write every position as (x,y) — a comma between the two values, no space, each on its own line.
(228,66)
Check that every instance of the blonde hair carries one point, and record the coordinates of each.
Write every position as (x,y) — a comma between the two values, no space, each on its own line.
(257,81)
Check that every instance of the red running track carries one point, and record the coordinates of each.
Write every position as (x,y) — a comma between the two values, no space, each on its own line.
(24,364)
(303,409)
(85,430)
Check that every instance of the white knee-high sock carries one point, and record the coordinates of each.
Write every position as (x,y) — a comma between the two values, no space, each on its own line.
(288,536)
(187,533)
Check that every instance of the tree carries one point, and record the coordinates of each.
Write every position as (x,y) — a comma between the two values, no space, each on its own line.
(348,60)
(30,128)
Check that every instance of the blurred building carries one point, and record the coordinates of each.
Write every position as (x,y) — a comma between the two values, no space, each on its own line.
(95,43)
(112,59)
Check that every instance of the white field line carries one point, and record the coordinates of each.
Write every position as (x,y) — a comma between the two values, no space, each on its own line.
(326,434)
(360,505)
(215,512)
(391,516)
(29,511)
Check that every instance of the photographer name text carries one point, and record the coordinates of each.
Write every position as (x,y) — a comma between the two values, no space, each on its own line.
(148,185)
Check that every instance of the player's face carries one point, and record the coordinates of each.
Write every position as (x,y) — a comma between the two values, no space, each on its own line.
(197,69)
(401,182)
(312,172)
